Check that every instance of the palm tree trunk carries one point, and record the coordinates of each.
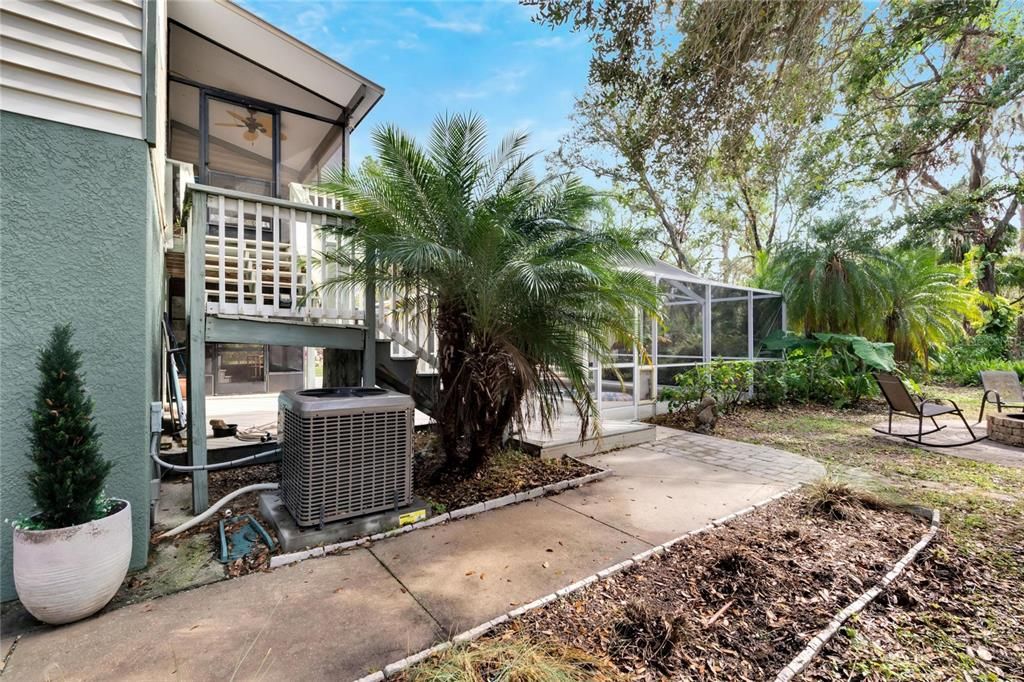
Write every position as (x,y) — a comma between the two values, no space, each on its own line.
(480,393)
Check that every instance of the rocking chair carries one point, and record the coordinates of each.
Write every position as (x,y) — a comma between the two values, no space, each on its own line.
(902,403)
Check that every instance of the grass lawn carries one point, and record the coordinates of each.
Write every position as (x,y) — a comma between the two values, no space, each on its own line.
(959,612)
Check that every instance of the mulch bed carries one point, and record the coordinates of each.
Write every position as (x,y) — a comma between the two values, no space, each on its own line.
(505,473)
(736,603)
(946,618)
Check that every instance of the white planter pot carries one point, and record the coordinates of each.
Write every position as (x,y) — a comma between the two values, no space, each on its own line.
(66,574)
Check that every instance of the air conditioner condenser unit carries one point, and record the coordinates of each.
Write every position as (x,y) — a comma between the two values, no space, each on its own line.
(345,452)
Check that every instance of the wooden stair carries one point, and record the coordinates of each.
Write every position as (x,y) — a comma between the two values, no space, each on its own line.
(253,285)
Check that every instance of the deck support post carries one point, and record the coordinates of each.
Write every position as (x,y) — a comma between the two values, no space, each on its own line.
(195,297)
(370,322)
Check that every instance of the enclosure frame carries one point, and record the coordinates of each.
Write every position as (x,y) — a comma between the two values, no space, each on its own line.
(635,373)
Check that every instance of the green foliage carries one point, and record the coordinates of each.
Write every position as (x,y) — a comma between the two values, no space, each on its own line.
(831,281)
(829,369)
(999,318)
(854,350)
(66,482)
(933,91)
(924,307)
(727,381)
(519,287)
(942,68)
(968,373)
(771,385)
(707,112)
(840,281)
(962,363)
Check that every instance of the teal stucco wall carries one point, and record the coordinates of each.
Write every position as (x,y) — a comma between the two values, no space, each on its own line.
(79,242)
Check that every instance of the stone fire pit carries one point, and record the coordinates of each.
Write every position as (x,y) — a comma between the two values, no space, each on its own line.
(1007,428)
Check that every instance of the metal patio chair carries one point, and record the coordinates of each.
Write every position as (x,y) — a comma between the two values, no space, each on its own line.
(901,402)
(1002,389)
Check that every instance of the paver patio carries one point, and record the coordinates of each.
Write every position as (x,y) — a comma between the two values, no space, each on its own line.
(987,451)
(343,616)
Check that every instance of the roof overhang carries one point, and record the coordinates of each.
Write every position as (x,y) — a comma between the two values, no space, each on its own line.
(245,34)
(663,270)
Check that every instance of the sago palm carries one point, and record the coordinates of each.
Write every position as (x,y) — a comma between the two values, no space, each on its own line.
(832,281)
(924,307)
(521,291)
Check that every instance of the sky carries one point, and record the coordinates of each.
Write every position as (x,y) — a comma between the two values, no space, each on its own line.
(441,56)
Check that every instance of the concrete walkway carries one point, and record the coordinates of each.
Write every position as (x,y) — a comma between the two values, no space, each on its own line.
(343,616)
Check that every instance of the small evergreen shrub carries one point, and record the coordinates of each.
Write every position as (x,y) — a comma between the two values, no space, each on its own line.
(69,472)
(770,385)
(726,381)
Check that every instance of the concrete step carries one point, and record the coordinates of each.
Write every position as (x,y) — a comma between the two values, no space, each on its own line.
(564,438)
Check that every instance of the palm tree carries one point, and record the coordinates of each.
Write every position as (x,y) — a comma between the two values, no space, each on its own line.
(831,281)
(520,291)
(924,306)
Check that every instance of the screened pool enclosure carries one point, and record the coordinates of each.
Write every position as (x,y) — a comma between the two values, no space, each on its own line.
(702,320)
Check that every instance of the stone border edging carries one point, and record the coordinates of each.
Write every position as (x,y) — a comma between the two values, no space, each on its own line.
(398,666)
(804,658)
(294,557)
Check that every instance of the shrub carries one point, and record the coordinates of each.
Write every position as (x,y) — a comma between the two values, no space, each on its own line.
(67,480)
(961,363)
(836,500)
(770,385)
(831,369)
(969,374)
(725,381)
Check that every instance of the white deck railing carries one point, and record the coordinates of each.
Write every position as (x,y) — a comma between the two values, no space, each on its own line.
(402,316)
(263,259)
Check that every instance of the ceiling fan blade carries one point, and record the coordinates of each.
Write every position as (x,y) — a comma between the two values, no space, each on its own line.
(238,117)
(229,125)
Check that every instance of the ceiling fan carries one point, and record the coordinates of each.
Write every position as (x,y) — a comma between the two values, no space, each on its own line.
(254,123)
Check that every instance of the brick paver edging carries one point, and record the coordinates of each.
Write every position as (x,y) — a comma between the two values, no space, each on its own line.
(804,658)
(393,669)
(294,557)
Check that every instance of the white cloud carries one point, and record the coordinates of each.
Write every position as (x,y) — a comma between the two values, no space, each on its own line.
(553,42)
(409,41)
(503,82)
(458,26)
(455,24)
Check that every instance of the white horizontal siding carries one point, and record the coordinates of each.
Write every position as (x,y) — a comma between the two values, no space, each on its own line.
(74,61)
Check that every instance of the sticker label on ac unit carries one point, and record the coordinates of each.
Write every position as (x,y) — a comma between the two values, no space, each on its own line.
(412,517)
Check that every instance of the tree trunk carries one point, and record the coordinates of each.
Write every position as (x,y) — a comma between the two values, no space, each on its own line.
(480,393)
(342,367)
(987,281)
